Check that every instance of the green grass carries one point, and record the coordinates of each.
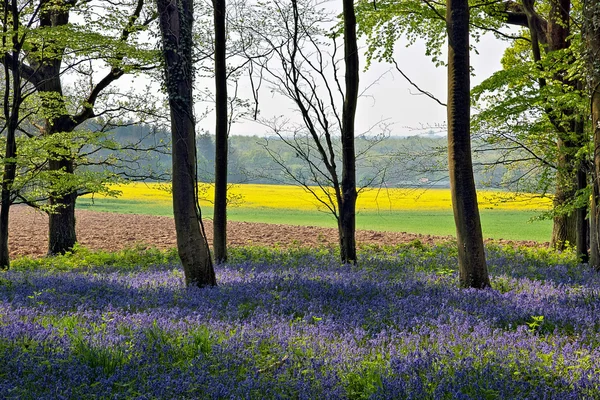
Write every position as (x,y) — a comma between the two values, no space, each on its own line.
(130,259)
(123,206)
(496,224)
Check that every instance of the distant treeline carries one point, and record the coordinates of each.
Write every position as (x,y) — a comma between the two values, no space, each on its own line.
(392,161)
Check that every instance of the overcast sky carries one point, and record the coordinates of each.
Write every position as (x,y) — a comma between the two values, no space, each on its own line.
(393,99)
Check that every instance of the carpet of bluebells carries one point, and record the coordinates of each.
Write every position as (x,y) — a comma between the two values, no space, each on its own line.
(298,324)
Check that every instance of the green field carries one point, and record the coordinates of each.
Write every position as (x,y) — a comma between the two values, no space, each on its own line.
(496,224)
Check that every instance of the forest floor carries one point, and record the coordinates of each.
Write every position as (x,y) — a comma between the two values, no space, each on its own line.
(112,231)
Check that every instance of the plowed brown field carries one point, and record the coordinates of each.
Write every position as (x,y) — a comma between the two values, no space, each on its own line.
(111,231)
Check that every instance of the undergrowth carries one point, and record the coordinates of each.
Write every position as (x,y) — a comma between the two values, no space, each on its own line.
(297,323)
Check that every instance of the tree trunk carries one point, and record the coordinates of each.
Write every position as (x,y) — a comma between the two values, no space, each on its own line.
(564,229)
(595,223)
(61,228)
(349,194)
(61,223)
(581,218)
(471,256)
(581,221)
(595,203)
(564,232)
(176,18)
(61,219)
(12,105)
(4,219)
(581,179)
(221,135)
(10,167)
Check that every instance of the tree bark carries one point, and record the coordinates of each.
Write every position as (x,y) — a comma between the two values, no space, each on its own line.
(564,232)
(61,219)
(347,224)
(595,217)
(8,178)
(221,135)
(565,225)
(581,245)
(471,256)
(176,19)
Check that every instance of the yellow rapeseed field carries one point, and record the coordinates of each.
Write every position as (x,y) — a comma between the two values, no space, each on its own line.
(293,197)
